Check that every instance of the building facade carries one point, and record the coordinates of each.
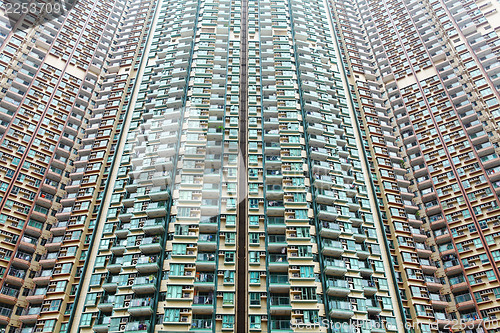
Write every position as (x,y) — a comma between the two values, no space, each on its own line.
(250,166)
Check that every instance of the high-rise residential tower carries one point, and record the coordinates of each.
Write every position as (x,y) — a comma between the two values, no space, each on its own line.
(250,166)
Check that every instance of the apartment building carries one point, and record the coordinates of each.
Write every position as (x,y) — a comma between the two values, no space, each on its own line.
(66,85)
(250,166)
(424,82)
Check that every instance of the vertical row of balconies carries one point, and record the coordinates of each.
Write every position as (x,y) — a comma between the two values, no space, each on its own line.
(395,198)
(430,199)
(43,172)
(207,160)
(60,266)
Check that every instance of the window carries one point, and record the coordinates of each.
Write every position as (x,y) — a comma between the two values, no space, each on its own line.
(185,195)
(305,250)
(85,321)
(254,220)
(177,269)
(306,271)
(229,256)
(254,238)
(174,292)
(228,298)
(308,293)
(303,232)
(61,285)
(255,277)
(255,299)
(55,305)
(227,321)
(179,249)
(255,322)
(254,256)
(311,316)
(91,299)
(172,315)
(301,214)
(477,243)
(230,237)
(230,220)
(95,280)
(228,276)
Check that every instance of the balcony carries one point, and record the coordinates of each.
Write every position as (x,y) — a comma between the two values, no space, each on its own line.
(340,310)
(332,248)
(115,267)
(102,324)
(330,230)
(8,295)
(203,303)
(277,325)
(144,285)
(106,304)
(111,285)
(325,197)
(153,227)
(322,181)
(438,301)
(464,302)
(5,314)
(159,194)
(34,228)
(22,260)
(30,316)
(280,305)
(423,250)
(338,288)
(274,191)
(335,267)
(203,325)
(276,242)
(118,248)
(36,296)
(15,276)
(205,261)
(452,267)
(156,209)
(434,284)
(147,265)
(141,307)
(275,208)
(150,245)
(278,262)
(327,213)
(137,327)
(372,307)
(275,224)
(28,244)
(210,207)
(279,283)
(204,281)
(427,266)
